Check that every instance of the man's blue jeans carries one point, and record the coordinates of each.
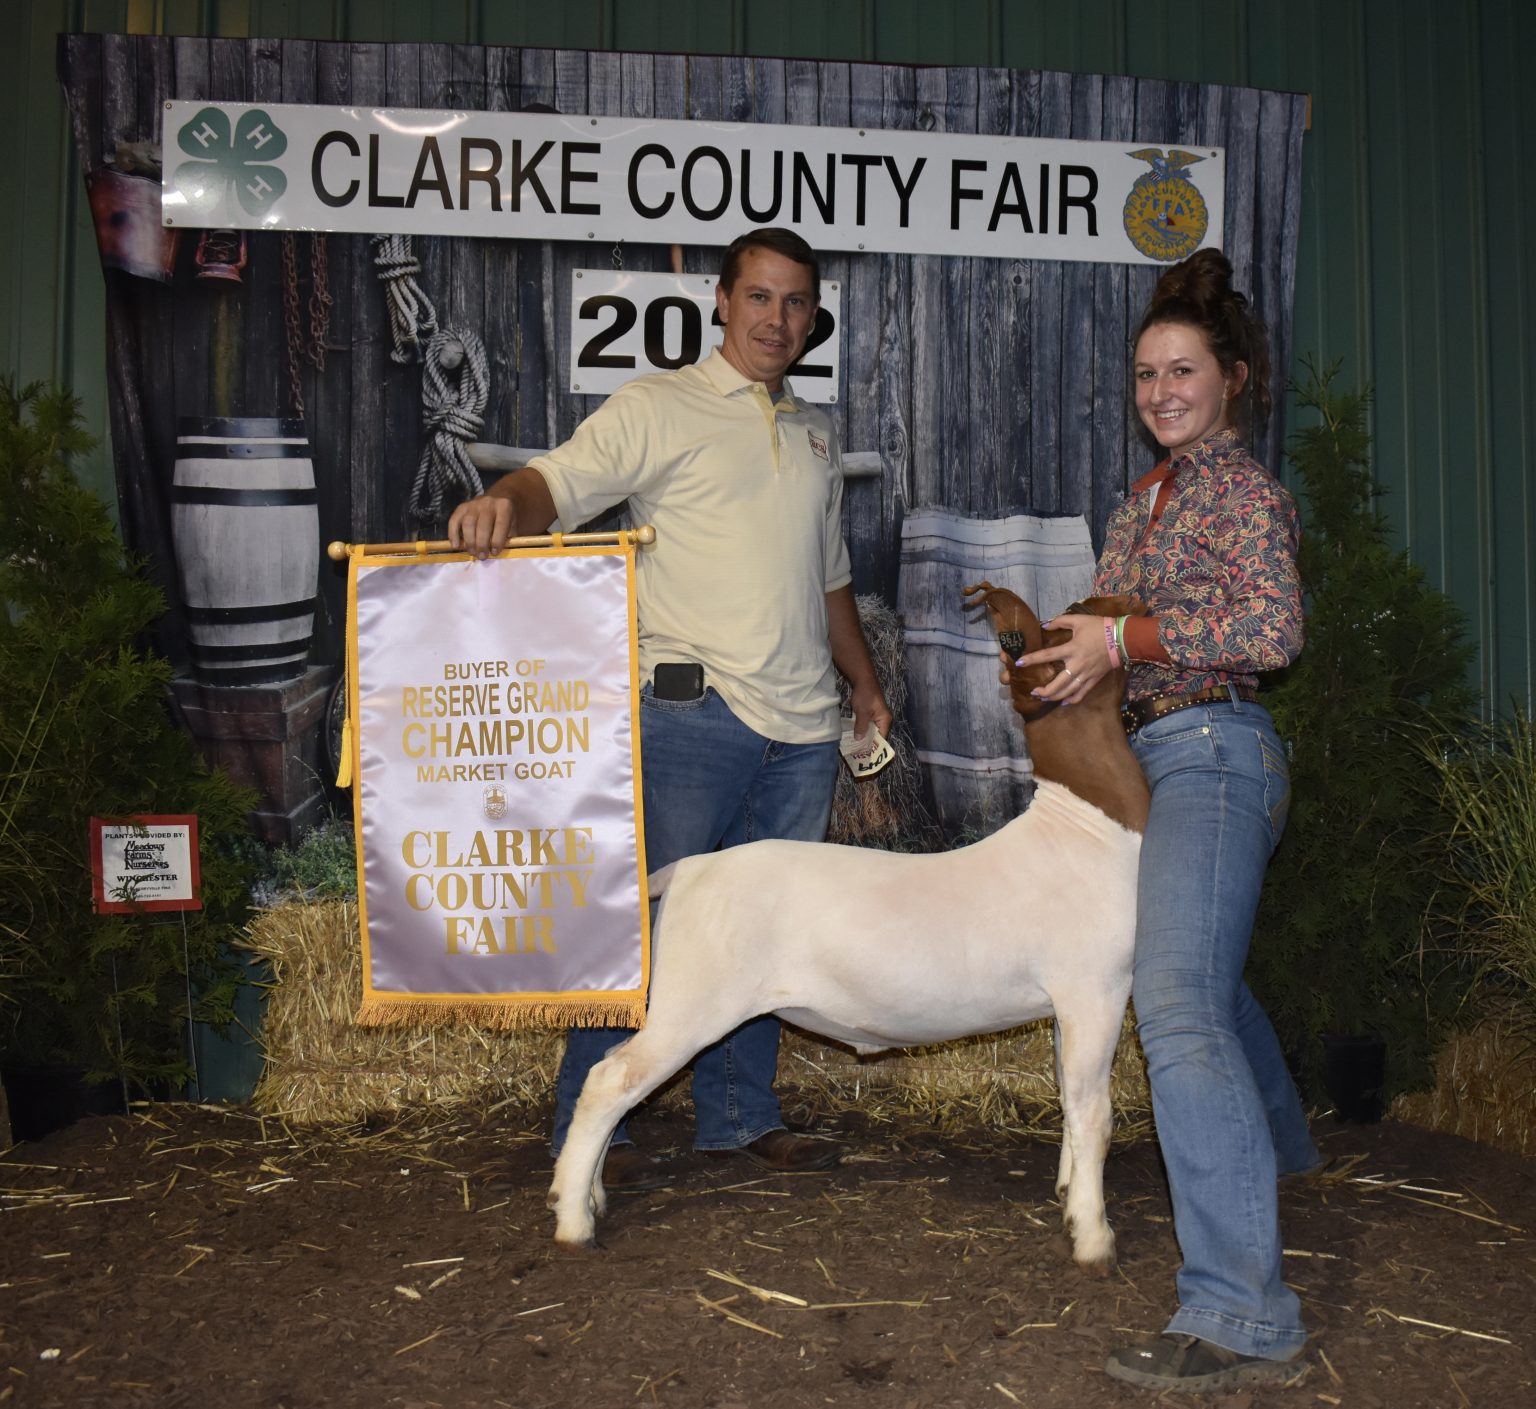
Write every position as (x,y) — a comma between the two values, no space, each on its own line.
(709,781)
(1228,1117)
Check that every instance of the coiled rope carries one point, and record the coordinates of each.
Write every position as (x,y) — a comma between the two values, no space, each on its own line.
(455,381)
(411,314)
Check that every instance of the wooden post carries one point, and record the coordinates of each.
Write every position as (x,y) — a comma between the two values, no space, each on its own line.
(226,326)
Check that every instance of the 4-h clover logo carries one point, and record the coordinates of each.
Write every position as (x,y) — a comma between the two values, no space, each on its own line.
(230,162)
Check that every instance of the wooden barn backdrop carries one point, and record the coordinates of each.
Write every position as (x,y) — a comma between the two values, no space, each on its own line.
(985,385)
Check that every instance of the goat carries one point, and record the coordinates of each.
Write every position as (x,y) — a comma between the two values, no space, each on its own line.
(880,950)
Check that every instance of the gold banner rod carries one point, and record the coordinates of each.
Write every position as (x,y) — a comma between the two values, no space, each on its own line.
(339,552)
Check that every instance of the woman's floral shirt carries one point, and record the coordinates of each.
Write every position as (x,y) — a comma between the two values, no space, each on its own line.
(1218,571)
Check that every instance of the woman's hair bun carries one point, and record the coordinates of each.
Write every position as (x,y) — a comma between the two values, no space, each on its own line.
(1204,279)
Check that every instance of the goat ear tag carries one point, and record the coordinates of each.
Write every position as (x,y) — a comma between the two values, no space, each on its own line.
(865,756)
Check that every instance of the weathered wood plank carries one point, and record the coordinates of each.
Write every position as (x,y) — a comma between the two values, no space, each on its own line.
(1276,237)
(370,370)
(1048,331)
(1081,351)
(573,94)
(201,338)
(401,445)
(265,388)
(503,89)
(705,100)
(1111,441)
(537,370)
(140,338)
(868,314)
(991,406)
(335,413)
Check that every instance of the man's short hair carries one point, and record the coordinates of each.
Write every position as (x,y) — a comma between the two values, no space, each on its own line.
(780,241)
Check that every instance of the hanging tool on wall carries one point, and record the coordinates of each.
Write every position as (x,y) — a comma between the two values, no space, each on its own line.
(305,345)
(455,381)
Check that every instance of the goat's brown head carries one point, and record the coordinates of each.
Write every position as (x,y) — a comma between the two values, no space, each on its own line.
(1019,632)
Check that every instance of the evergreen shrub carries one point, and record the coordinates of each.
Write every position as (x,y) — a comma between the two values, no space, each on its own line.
(1340,946)
(84,731)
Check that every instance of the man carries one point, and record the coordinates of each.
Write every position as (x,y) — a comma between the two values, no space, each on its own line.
(745,605)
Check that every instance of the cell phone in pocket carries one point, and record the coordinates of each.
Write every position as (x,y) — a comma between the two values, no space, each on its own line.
(678,680)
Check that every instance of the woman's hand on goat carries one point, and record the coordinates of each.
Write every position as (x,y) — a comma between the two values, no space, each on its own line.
(1082,660)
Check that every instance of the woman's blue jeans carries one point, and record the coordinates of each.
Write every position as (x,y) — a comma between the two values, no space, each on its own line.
(709,781)
(1228,1117)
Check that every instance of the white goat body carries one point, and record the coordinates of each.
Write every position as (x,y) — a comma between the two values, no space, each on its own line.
(879,950)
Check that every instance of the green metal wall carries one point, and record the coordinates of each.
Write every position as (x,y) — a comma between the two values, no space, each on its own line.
(1418,214)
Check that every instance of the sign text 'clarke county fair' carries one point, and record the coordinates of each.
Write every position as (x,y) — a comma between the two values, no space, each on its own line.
(554,177)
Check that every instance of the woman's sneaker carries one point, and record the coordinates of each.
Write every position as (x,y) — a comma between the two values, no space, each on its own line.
(1189,1365)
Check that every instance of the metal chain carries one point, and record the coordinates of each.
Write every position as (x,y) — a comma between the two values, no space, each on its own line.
(320,301)
(294,336)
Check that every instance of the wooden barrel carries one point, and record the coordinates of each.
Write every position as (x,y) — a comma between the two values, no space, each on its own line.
(247,533)
(969,740)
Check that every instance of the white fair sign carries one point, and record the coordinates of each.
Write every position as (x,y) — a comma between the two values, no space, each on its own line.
(551,176)
(625,325)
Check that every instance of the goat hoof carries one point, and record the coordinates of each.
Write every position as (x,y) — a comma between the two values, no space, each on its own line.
(577,1244)
(1097,1258)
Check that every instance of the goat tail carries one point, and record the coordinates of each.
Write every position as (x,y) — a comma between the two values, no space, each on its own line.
(658,881)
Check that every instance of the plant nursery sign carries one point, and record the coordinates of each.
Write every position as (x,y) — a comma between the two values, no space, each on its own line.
(496,783)
(145,863)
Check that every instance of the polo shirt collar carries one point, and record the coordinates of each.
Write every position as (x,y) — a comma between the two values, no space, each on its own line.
(727,380)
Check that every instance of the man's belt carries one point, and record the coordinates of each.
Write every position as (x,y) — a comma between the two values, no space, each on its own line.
(1136,713)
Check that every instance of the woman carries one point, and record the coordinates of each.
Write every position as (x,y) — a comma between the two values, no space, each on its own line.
(1208,541)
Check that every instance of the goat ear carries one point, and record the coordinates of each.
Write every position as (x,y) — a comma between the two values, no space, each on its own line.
(1012,617)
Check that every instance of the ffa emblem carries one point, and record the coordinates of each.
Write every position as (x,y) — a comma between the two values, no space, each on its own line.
(230,164)
(495,801)
(1165,215)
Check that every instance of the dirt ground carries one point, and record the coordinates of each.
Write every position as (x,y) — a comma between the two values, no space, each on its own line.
(186,1255)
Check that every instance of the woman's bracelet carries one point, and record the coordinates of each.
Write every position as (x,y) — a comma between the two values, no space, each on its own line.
(1111,644)
(1124,654)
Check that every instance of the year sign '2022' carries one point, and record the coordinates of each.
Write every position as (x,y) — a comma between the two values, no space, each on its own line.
(624,325)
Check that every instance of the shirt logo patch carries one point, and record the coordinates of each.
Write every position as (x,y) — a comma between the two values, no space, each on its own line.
(818,446)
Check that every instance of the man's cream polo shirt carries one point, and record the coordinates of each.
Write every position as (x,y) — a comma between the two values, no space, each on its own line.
(746,498)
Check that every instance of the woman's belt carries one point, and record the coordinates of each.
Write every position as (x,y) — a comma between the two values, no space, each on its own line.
(1135,713)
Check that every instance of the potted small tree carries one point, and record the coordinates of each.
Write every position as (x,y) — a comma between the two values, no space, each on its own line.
(84,732)
(1339,958)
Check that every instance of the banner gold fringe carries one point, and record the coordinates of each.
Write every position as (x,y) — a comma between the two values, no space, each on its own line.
(572,1011)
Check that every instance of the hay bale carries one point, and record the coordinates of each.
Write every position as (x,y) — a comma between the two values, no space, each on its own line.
(322,1069)
(1485,1089)
(1005,1079)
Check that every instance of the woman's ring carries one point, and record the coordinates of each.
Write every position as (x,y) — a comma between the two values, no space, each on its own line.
(1069,670)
